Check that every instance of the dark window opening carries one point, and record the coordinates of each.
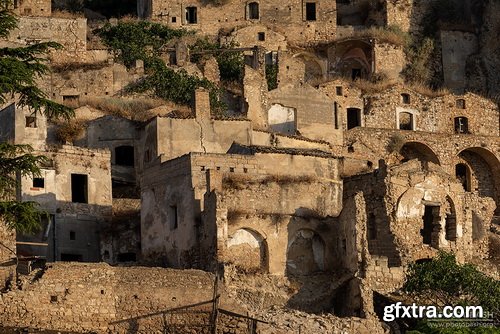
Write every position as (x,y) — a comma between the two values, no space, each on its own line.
(261,36)
(336,115)
(405,98)
(191,15)
(173,217)
(38,182)
(79,188)
(461,125)
(174,19)
(460,103)
(310,11)
(451,227)
(338,90)
(355,73)
(71,257)
(124,156)
(70,98)
(463,175)
(126,257)
(372,227)
(30,122)
(147,156)
(405,121)
(72,235)
(53,299)
(353,118)
(27,11)
(431,228)
(253,11)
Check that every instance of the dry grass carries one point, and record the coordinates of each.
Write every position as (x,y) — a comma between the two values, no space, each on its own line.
(240,181)
(138,109)
(428,91)
(373,87)
(75,66)
(68,131)
(391,35)
(64,14)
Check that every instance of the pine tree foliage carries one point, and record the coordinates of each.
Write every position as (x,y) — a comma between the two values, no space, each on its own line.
(19,69)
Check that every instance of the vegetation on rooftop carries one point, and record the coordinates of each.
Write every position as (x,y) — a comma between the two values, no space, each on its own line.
(145,40)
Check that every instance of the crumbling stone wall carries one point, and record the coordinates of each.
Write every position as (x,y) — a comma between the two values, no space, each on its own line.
(70,33)
(290,17)
(100,298)
(32,7)
(400,203)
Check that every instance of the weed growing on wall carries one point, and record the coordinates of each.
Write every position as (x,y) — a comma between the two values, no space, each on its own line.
(144,40)
(231,64)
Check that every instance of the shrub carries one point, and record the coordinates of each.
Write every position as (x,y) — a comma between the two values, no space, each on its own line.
(272,76)
(442,281)
(418,69)
(231,63)
(137,40)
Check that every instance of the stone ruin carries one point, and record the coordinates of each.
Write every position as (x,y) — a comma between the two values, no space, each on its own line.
(314,200)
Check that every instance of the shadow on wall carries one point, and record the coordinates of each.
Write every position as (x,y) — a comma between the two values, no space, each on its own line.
(321,285)
(75,227)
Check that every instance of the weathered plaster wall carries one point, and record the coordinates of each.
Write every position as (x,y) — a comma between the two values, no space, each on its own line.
(314,113)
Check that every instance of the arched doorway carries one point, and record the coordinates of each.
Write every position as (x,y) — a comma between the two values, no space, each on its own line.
(305,253)
(484,172)
(247,250)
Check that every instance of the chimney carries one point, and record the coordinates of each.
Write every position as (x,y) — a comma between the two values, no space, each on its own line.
(202,103)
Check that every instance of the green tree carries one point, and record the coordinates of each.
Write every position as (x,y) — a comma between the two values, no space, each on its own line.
(442,281)
(19,69)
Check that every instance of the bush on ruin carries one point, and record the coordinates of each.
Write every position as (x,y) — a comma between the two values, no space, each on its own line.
(442,281)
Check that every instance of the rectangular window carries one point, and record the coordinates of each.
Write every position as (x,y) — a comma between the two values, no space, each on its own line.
(191,15)
(30,122)
(310,11)
(261,36)
(79,188)
(38,182)
(72,235)
(174,19)
(338,90)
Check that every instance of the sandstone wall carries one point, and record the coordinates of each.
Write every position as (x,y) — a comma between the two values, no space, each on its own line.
(289,17)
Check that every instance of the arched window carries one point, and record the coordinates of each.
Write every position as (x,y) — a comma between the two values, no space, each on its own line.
(460,103)
(462,173)
(406,121)
(253,11)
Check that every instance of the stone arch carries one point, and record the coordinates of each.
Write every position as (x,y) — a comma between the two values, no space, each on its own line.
(353,59)
(305,253)
(485,172)
(314,69)
(247,249)
(420,151)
